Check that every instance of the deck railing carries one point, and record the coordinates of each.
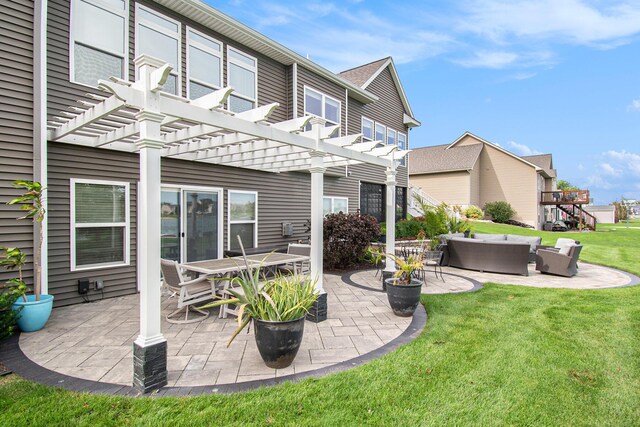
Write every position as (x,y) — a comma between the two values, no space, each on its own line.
(558,197)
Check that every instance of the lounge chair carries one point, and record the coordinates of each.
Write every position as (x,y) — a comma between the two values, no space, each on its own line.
(189,292)
(562,262)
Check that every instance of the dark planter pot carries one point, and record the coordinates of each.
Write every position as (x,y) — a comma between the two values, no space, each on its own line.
(382,238)
(404,299)
(278,342)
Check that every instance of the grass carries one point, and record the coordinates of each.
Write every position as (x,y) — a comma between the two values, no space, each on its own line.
(505,355)
(612,245)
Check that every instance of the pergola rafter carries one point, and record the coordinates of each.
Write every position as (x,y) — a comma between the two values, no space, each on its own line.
(139,117)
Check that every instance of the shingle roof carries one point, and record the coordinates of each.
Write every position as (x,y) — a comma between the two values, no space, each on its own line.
(543,161)
(360,75)
(439,158)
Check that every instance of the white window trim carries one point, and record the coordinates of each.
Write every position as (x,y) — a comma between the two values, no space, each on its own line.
(333,199)
(208,50)
(245,221)
(126,224)
(324,96)
(373,129)
(152,25)
(246,67)
(72,40)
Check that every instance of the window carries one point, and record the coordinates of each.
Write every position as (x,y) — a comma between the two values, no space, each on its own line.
(367,129)
(401,203)
(332,205)
(96,55)
(381,132)
(159,36)
(243,219)
(204,64)
(391,137)
(321,105)
(372,200)
(242,72)
(99,224)
(402,145)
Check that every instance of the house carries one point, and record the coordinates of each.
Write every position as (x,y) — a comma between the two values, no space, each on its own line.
(473,171)
(93,173)
(166,128)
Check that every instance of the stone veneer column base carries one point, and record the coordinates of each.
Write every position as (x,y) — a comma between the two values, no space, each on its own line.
(149,367)
(318,311)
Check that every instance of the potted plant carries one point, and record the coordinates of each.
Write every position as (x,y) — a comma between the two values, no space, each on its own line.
(404,288)
(12,259)
(34,309)
(277,308)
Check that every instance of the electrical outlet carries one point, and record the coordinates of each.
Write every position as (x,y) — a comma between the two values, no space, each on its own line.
(83,286)
(99,283)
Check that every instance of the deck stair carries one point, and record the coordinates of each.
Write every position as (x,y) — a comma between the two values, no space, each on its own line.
(577,213)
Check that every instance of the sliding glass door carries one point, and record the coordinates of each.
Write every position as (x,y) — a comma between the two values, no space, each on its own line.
(191,219)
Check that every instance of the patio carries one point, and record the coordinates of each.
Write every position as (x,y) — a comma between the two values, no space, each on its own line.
(93,341)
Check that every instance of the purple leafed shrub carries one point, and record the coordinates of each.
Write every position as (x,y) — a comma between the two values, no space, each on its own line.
(346,238)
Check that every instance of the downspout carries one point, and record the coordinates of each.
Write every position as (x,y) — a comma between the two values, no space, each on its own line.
(40,128)
(294,88)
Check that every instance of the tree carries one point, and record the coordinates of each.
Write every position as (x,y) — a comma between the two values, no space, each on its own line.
(565,185)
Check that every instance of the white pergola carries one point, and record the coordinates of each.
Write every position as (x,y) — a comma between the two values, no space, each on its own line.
(139,117)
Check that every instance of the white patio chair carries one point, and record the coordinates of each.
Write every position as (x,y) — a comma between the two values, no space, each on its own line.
(190,292)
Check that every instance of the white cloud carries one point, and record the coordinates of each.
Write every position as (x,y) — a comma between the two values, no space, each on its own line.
(607,169)
(522,149)
(625,161)
(597,181)
(567,21)
(635,105)
(484,59)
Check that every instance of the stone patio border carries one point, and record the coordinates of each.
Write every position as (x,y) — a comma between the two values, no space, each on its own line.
(346,278)
(19,363)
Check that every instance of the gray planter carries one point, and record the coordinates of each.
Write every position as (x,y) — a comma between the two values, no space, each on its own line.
(404,299)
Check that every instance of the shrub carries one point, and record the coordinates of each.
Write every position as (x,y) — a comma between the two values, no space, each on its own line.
(346,238)
(12,259)
(500,211)
(409,228)
(473,212)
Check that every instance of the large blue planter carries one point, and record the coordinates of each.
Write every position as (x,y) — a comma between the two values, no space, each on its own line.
(34,314)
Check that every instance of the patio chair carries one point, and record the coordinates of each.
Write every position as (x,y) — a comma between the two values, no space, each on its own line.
(560,263)
(190,292)
(298,267)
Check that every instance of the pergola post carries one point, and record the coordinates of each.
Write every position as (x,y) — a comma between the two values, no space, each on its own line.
(390,264)
(318,312)
(150,348)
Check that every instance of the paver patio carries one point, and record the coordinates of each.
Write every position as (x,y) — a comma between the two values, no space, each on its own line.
(94,341)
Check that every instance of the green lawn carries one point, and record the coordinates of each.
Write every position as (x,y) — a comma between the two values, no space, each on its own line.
(505,355)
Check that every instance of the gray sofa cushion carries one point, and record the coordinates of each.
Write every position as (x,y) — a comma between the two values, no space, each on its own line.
(445,237)
(533,241)
(490,237)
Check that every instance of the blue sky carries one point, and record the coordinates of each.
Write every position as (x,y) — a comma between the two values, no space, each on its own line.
(558,76)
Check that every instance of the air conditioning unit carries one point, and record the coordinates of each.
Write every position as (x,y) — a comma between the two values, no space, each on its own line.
(287,229)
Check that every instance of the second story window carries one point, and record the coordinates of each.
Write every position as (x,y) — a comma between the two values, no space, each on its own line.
(98,36)
(321,105)
(367,129)
(381,133)
(402,145)
(204,64)
(391,137)
(159,36)
(242,75)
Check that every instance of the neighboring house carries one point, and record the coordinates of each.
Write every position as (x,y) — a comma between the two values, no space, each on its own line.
(473,171)
(605,214)
(57,56)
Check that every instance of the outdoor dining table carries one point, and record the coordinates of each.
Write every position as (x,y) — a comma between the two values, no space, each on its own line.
(236,264)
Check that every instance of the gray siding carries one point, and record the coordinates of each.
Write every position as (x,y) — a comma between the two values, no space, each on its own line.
(66,162)
(307,78)
(16,121)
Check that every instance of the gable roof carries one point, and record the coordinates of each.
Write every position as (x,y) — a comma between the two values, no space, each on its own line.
(441,158)
(497,147)
(365,74)
(212,18)
(544,161)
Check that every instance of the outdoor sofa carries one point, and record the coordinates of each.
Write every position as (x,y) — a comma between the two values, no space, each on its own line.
(496,256)
(561,260)
(533,242)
